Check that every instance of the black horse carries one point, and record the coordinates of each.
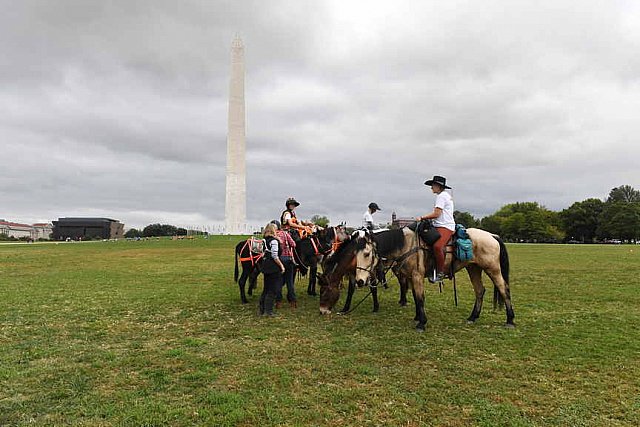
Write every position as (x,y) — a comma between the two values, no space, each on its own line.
(250,268)
(310,250)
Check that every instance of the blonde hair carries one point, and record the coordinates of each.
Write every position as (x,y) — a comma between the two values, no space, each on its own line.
(269,230)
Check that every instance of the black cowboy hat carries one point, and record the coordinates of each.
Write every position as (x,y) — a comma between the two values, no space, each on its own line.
(291,201)
(374,205)
(437,180)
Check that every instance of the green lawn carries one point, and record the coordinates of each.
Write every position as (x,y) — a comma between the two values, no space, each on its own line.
(153,333)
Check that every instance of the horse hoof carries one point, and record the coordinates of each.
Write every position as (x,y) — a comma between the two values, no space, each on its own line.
(313,294)
(471,321)
(510,325)
(420,329)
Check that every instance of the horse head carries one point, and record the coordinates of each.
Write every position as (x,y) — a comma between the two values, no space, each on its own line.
(366,256)
(329,292)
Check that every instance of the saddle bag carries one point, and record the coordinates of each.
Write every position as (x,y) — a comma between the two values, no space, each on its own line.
(463,244)
(428,233)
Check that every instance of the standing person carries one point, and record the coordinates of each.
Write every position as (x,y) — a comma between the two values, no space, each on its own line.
(288,245)
(272,270)
(290,223)
(443,221)
(367,218)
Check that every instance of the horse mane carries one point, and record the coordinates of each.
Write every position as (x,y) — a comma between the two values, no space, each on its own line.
(346,246)
(389,241)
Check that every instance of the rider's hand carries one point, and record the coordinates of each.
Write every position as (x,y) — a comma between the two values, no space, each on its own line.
(418,218)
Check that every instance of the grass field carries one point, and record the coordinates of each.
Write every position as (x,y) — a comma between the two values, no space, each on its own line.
(153,333)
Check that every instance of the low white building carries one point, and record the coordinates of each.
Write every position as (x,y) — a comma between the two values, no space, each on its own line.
(17,230)
(43,230)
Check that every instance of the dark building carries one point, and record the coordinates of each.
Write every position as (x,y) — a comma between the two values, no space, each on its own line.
(81,228)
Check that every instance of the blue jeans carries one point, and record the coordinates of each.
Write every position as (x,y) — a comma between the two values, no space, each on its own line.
(287,279)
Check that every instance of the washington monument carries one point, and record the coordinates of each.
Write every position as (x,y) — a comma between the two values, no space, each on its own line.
(235,208)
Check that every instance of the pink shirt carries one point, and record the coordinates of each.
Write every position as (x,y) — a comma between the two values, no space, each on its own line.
(287,243)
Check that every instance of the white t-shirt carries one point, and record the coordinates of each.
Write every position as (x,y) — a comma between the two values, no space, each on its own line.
(445,202)
(367,219)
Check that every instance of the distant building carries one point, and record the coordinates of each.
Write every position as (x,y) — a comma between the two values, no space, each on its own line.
(81,228)
(43,230)
(33,232)
(400,222)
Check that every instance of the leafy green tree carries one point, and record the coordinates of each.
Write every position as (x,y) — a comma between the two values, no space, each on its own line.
(580,220)
(624,193)
(526,221)
(620,220)
(321,221)
(492,224)
(132,233)
(157,230)
(466,219)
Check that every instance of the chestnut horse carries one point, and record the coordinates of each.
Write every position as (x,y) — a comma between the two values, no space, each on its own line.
(411,259)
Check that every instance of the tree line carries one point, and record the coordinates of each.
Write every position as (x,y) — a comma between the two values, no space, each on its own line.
(588,221)
(156,230)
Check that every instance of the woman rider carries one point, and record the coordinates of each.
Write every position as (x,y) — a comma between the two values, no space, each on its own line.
(297,228)
(443,221)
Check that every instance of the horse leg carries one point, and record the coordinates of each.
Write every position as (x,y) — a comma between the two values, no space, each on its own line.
(350,292)
(417,284)
(241,283)
(503,289)
(311,289)
(374,294)
(475,275)
(403,291)
(254,272)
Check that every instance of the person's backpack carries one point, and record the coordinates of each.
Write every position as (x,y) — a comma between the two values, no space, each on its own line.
(464,245)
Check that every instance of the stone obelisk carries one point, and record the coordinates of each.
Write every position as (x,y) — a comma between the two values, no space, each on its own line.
(235,208)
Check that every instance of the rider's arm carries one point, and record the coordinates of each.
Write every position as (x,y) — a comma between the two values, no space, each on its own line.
(433,215)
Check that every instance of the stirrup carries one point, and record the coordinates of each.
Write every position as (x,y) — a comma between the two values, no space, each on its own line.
(437,278)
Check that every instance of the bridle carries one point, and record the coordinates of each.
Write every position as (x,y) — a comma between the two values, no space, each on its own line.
(370,267)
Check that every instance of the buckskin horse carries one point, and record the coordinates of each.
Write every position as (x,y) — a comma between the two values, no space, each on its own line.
(343,263)
(411,260)
(310,250)
(250,263)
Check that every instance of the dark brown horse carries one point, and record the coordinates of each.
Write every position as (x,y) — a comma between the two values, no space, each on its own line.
(412,259)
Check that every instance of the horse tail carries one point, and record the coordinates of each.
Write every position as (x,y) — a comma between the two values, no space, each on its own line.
(498,300)
(236,273)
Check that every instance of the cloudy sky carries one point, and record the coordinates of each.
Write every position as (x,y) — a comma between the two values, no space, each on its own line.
(119,108)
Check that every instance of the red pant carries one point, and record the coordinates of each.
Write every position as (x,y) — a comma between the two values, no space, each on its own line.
(440,246)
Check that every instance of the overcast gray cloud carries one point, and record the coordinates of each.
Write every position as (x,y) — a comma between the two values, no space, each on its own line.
(119,108)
